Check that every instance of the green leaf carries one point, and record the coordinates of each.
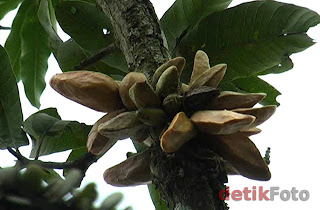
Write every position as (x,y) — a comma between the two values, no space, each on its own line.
(50,134)
(50,175)
(254,84)
(48,23)
(85,23)
(74,155)
(69,55)
(8,5)
(184,14)
(252,38)
(140,147)
(285,65)
(13,42)
(35,51)
(84,199)
(112,201)
(11,118)
(53,112)
(159,204)
(77,153)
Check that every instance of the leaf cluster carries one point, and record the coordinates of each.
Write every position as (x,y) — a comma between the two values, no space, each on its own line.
(37,188)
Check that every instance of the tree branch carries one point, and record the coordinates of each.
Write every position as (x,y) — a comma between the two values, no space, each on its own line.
(82,163)
(97,57)
(4,28)
(136,27)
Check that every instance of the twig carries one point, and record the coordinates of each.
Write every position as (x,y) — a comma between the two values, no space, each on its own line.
(82,163)
(17,154)
(5,28)
(97,57)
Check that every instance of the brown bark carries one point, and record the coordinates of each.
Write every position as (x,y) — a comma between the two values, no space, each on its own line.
(192,177)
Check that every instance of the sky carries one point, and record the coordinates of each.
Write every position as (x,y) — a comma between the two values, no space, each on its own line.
(292,133)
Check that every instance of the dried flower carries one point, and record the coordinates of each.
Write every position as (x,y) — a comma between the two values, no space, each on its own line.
(197,112)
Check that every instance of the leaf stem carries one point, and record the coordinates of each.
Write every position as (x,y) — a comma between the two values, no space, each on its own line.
(4,28)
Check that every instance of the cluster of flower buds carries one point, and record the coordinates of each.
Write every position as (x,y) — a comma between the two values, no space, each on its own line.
(171,111)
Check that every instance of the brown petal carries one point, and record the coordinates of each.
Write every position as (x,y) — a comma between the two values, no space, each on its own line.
(216,78)
(201,64)
(172,104)
(199,98)
(131,172)
(144,96)
(178,62)
(242,154)
(184,87)
(220,122)
(92,89)
(127,82)
(152,116)
(122,126)
(140,134)
(96,143)
(148,141)
(250,131)
(179,132)
(168,82)
(230,169)
(262,114)
(234,100)
(210,77)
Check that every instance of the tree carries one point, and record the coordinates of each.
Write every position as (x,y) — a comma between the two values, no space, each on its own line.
(187,173)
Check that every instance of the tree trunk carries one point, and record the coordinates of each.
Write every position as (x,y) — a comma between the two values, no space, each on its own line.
(192,177)
(137,29)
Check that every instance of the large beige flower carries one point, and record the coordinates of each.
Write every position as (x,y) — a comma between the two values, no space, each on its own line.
(175,112)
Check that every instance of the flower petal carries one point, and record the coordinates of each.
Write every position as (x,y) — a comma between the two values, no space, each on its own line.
(144,96)
(172,104)
(92,89)
(127,82)
(230,169)
(168,82)
(262,114)
(152,117)
(234,100)
(199,98)
(96,143)
(220,122)
(131,172)
(201,64)
(179,132)
(242,154)
(250,131)
(122,126)
(210,77)
(178,62)
(184,87)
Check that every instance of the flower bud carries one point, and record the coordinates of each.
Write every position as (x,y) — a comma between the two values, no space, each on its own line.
(92,89)
(128,81)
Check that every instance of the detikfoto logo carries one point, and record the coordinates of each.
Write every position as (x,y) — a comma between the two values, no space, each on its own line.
(261,194)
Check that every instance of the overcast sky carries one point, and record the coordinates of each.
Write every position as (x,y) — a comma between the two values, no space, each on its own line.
(292,133)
